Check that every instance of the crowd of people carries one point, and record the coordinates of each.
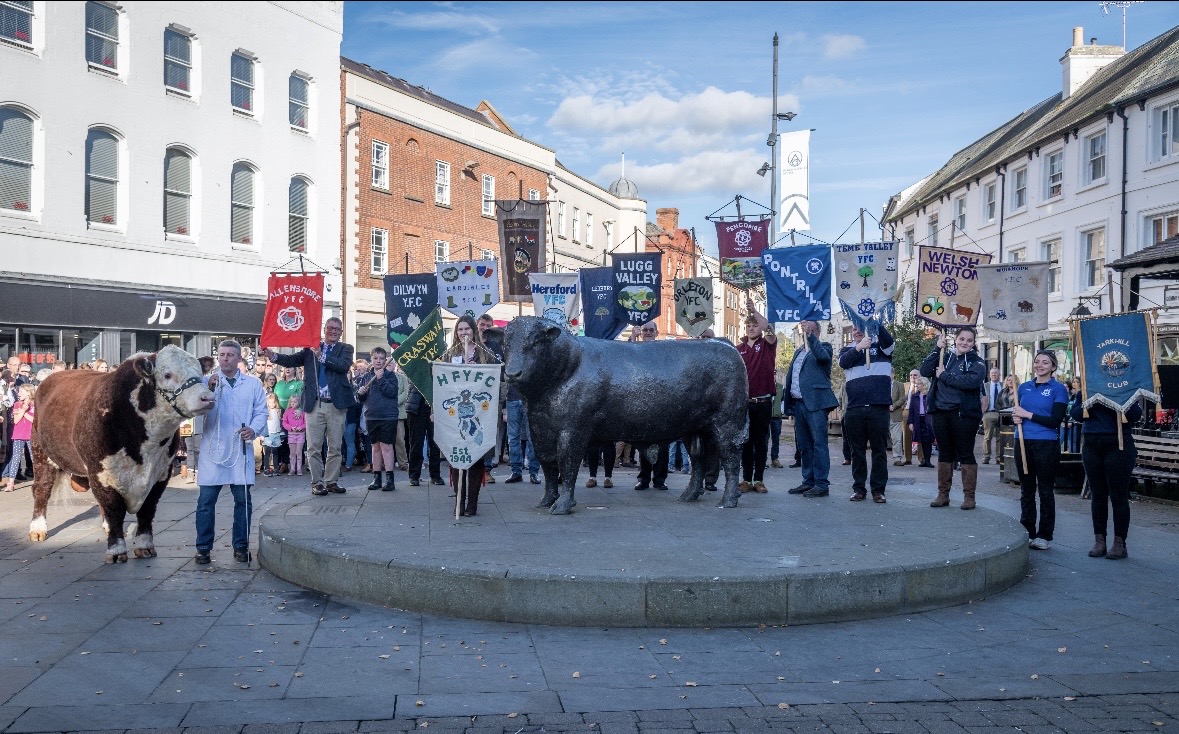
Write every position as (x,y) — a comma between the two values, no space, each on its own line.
(323,411)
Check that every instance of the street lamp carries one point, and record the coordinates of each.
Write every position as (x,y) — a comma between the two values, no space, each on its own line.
(772,142)
(765,168)
(1081,309)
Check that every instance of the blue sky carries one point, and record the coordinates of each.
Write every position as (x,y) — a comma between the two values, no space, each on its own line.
(892,89)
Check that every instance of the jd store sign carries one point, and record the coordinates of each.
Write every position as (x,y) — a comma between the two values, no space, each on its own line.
(74,306)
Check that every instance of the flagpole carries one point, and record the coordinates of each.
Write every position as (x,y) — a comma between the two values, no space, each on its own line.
(773,142)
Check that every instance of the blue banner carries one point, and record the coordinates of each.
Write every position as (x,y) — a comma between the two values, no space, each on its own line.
(798,283)
(1117,366)
(597,303)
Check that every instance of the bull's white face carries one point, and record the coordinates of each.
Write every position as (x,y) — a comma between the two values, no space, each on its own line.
(174,367)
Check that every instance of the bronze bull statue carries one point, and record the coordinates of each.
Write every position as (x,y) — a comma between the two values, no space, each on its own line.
(580,392)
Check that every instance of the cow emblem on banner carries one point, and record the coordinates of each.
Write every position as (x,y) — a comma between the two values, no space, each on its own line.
(1015,300)
(948,288)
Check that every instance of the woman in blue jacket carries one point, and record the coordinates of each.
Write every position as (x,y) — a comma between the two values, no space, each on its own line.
(1108,469)
(1042,404)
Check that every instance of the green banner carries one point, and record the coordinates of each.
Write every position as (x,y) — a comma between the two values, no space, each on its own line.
(423,346)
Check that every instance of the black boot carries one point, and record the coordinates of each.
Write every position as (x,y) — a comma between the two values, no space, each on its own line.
(390,484)
(376,481)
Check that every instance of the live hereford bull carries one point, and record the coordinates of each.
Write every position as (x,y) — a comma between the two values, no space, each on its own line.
(115,434)
(580,392)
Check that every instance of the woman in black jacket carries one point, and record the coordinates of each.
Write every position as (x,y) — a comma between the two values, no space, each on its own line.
(1108,470)
(955,401)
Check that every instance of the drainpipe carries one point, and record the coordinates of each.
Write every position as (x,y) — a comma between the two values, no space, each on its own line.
(1001,172)
(1121,112)
(344,220)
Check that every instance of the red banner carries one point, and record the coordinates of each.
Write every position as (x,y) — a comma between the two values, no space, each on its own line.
(740,245)
(294,310)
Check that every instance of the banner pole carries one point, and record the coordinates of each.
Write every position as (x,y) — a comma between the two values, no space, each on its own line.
(1152,325)
(1023,452)
(1081,364)
(459,491)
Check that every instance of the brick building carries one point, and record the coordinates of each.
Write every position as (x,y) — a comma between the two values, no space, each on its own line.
(420,177)
(680,254)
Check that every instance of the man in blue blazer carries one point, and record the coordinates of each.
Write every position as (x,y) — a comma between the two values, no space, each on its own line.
(808,396)
(327,396)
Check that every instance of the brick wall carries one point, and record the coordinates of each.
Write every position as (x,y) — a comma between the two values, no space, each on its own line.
(679,261)
(408,209)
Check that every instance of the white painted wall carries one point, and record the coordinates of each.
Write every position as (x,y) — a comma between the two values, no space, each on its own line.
(624,216)
(1152,190)
(55,83)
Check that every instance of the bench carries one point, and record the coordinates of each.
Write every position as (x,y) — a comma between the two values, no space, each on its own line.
(1158,459)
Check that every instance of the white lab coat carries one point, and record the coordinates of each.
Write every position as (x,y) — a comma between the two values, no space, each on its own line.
(222,460)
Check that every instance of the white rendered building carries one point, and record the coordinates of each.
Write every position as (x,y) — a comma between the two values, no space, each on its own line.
(157,161)
(1085,177)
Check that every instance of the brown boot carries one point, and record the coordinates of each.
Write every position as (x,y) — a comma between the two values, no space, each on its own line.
(1117,551)
(945,477)
(969,482)
(1098,549)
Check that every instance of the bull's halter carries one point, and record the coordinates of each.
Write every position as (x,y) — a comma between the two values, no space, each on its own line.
(171,396)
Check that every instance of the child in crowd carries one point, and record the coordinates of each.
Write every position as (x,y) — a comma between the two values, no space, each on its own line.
(22,430)
(273,437)
(296,424)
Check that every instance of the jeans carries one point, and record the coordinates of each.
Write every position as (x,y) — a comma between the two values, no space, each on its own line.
(421,434)
(207,511)
(656,472)
(603,454)
(1040,479)
(325,422)
(678,449)
(867,425)
(350,444)
(1109,471)
(775,437)
(955,434)
(517,430)
(16,458)
(810,435)
(753,455)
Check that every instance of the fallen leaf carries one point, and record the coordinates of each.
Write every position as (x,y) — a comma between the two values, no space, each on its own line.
(690,683)
(783,706)
(299,674)
(397,648)
(274,685)
(244,687)
(43,618)
(652,676)
(1035,677)
(777,653)
(98,693)
(257,651)
(1070,698)
(84,652)
(781,677)
(419,702)
(1062,649)
(1157,723)
(513,715)
(383,657)
(941,674)
(676,657)
(683,696)
(876,671)
(576,674)
(663,642)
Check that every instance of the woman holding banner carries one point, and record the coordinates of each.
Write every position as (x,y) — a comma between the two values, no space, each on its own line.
(466,347)
(1108,465)
(956,402)
(1037,415)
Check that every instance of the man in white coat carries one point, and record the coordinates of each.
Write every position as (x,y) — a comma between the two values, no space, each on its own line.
(227,452)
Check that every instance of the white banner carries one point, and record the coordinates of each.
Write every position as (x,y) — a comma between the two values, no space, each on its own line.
(466,406)
(794,183)
(557,297)
(468,288)
(693,305)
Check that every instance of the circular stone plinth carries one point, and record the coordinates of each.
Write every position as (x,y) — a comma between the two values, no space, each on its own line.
(627,558)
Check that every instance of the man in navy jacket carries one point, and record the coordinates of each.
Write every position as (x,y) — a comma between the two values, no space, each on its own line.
(327,396)
(808,396)
(867,372)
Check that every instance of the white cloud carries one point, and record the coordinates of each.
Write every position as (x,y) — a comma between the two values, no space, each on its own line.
(841,45)
(485,53)
(719,172)
(711,118)
(441,20)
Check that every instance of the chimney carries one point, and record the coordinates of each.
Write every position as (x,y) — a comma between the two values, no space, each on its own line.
(668,219)
(1081,62)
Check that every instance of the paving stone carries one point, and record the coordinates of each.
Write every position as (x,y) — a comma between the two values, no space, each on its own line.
(329,727)
(292,728)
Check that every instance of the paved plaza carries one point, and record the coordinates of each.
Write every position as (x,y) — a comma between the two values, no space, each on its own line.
(1081,645)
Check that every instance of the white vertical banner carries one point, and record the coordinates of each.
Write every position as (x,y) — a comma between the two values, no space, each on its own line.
(794,185)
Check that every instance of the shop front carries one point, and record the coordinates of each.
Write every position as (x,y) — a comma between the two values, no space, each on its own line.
(43,322)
